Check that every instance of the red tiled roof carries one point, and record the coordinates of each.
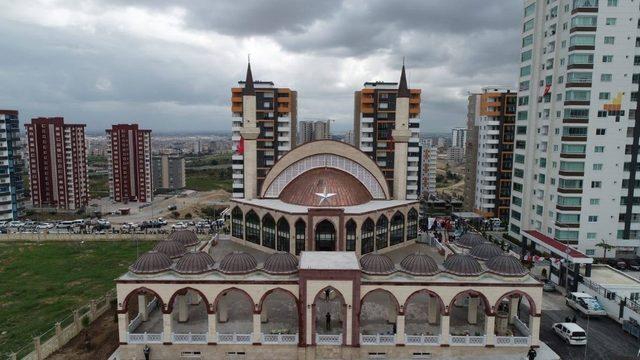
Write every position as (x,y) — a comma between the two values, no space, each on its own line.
(555,244)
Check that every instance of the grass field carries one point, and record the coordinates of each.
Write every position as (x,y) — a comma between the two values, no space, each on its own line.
(98,186)
(203,180)
(43,283)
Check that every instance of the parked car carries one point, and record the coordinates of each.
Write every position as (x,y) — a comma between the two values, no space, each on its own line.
(179,226)
(65,225)
(162,221)
(634,264)
(571,333)
(15,224)
(548,286)
(172,207)
(585,303)
(44,226)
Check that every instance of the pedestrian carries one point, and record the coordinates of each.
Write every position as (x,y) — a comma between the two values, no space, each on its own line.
(574,319)
(532,353)
(327,293)
(146,351)
(328,322)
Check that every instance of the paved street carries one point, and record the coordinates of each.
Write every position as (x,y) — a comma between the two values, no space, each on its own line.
(605,337)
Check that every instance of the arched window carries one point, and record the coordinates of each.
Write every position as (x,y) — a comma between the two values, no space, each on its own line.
(252,227)
(397,228)
(237,223)
(268,232)
(283,235)
(301,238)
(351,235)
(412,224)
(382,229)
(367,236)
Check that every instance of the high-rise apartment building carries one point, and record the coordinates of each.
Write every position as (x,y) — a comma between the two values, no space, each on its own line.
(374,122)
(429,169)
(459,137)
(129,158)
(11,184)
(491,128)
(576,142)
(168,172)
(314,130)
(57,164)
(276,110)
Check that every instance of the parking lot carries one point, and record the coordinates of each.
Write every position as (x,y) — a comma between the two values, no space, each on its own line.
(605,337)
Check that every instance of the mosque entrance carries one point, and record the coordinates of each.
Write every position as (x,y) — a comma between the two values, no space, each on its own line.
(325,236)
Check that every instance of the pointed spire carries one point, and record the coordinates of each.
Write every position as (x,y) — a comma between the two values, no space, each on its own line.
(248,83)
(403,89)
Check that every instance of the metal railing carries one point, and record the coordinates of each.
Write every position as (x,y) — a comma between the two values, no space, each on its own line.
(512,340)
(189,338)
(377,339)
(144,338)
(328,339)
(234,338)
(423,339)
(468,340)
(138,319)
(280,338)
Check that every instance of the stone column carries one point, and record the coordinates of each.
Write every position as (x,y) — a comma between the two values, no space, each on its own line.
(534,329)
(76,321)
(93,309)
(432,311)
(183,308)
(257,329)
(400,332)
(472,313)
(142,307)
(309,324)
(167,327)
(489,330)
(444,329)
(38,348)
(123,327)
(349,326)
(513,308)
(59,334)
(212,336)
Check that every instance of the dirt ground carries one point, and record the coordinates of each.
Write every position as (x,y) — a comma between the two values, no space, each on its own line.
(104,341)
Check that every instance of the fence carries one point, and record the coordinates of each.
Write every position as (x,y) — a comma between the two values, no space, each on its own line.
(64,330)
(423,339)
(377,339)
(328,339)
(468,340)
(611,296)
(279,338)
(79,237)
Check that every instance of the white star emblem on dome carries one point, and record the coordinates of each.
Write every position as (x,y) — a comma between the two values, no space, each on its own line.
(325,195)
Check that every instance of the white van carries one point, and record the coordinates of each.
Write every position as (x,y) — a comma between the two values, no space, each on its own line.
(585,303)
(571,333)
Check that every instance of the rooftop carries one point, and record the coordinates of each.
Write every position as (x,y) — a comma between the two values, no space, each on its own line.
(328,260)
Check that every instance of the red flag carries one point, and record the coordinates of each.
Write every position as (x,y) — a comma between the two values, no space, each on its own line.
(547,89)
(240,148)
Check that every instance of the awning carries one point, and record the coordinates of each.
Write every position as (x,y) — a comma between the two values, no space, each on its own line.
(557,248)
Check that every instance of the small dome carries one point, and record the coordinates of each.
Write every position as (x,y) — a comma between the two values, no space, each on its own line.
(185,237)
(470,240)
(171,248)
(281,263)
(377,264)
(196,262)
(419,264)
(506,265)
(485,251)
(460,264)
(238,262)
(152,262)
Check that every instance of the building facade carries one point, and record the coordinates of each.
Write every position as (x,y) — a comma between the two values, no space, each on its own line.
(492,129)
(576,141)
(459,137)
(429,169)
(276,118)
(455,155)
(168,172)
(314,130)
(57,164)
(129,158)
(374,121)
(11,183)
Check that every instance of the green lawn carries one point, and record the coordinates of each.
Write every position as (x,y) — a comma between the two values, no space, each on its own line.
(98,186)
(43,283)
(206,180)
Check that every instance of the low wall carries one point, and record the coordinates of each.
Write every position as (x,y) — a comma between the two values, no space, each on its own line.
(91,237)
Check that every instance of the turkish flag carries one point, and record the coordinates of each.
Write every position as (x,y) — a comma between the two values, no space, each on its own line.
(547,89)
(240,148)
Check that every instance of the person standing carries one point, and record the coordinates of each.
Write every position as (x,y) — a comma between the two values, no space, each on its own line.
(146,351)
(531,355)
(328,322)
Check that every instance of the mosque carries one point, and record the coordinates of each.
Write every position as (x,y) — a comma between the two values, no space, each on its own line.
(325,261)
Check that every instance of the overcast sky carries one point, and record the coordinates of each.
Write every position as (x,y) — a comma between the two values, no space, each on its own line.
(169,65)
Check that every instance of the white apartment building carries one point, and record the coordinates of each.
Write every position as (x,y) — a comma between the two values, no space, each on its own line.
(429,168)
(11,183)
(575,125)
(459,137)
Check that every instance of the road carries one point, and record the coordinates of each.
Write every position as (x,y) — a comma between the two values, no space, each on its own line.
(605,337)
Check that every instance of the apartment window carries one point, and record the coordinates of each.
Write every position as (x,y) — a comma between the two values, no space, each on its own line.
(601,131)
(517,187)
(514,229)
(560,79)
(607,58)
(596,184)
(525,70)
(591,236)
(563,44)
(526,55)
(542,178)
(612,3)
(519,158)
(604,96)
(577,95)
(516,200)
(528,25)
(522,115)
(611,21)
(606,77)
(584,21)
(635,78)
(610,40)
(571,166)
(573,149)
(521,130)
(515,215)
(529,10)
(579,77)
(598,149)
(569,201)
(582,40)
(543,162)
(636,60)
(593,218)
(539,210)
(519,173)
(527,40)
(567,235)
(594,201)
(597,167)
(523,100)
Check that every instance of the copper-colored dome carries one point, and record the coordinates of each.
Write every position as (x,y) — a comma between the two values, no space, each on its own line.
(196,262)
(171,248)
(185,237)
(238,262)
(339,188)
(485,251)
(506,265)
(152,262)
(376,264)
(470,240)
(419,264)
(281,263)
(460,264)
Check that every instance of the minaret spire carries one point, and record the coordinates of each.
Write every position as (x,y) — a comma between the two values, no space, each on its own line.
(248,83)
(403,89)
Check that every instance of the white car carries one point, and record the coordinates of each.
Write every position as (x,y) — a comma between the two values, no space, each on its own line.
(585,303)
(571,333)
(15,224)
(179,226)
(44,226)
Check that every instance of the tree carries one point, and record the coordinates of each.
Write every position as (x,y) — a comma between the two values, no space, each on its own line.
(606,247)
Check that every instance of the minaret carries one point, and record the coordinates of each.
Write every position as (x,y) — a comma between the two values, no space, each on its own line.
(249,133)
(401,135)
